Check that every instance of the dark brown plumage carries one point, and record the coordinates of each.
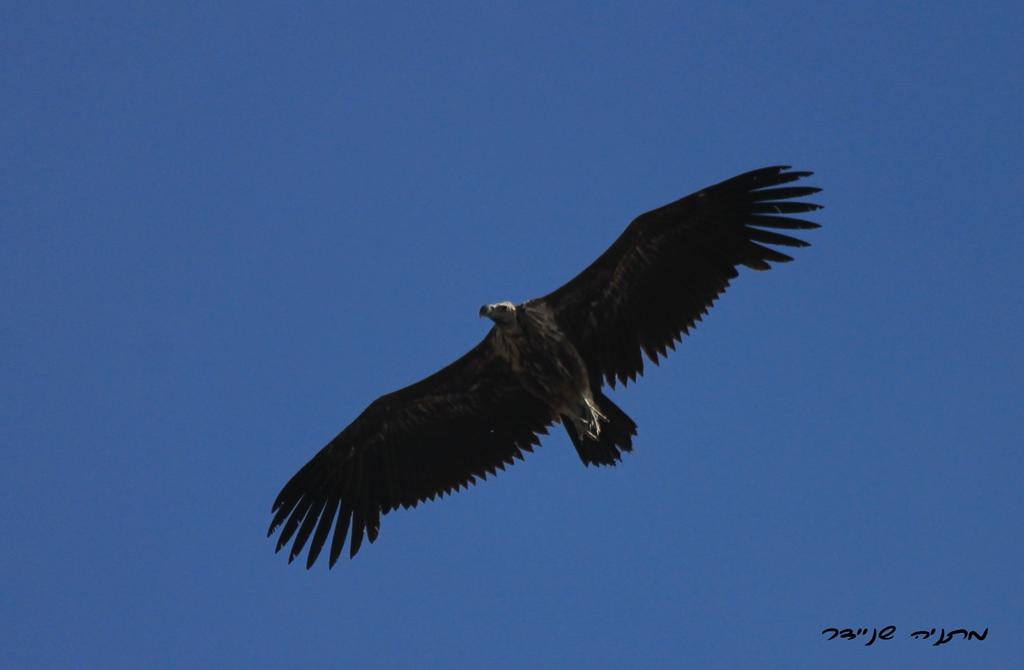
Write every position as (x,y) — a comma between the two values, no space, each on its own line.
(486,409)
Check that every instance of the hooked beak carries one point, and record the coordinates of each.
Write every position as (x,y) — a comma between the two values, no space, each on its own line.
(485,311)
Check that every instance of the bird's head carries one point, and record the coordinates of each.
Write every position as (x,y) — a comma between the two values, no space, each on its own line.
(501,313)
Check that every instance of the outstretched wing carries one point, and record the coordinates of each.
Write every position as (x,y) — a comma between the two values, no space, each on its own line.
(668,267)
(467,421)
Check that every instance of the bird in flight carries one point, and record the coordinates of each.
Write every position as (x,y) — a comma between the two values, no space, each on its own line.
(544,361)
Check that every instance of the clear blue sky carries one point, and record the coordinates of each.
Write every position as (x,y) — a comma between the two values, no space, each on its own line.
(227,227)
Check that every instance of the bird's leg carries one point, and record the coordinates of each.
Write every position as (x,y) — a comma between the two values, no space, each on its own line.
(593,423)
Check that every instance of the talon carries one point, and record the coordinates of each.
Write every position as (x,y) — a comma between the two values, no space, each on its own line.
(594,425)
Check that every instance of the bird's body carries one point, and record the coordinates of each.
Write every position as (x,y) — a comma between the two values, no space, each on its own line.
(545,360)
(546,363)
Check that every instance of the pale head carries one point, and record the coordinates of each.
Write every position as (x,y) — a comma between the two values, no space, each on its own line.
(501,313)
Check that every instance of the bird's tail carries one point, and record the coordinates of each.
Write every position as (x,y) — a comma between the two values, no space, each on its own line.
(616,435)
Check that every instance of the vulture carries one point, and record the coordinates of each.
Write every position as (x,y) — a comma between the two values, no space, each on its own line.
(544,361)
